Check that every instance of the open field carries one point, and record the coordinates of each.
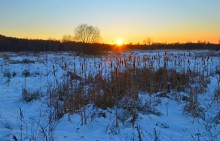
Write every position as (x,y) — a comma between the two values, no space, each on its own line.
(132,95)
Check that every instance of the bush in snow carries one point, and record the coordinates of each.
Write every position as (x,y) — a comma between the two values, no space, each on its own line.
(9,74)
(26,73)
(28,96)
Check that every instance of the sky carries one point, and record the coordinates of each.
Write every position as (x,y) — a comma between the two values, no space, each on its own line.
(165,21)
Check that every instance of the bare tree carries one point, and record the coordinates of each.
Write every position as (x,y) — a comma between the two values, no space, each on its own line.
(67,38)
(87,33)
(148,41)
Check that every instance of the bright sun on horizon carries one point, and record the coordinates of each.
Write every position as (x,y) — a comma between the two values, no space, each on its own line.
(119,42)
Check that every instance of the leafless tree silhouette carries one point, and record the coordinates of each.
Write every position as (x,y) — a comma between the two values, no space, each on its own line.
(67,38)
(87,33)
(148,41)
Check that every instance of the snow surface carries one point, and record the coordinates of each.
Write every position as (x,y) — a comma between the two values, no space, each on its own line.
(172,124)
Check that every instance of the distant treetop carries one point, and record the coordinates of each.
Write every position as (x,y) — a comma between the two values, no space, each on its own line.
(86,34)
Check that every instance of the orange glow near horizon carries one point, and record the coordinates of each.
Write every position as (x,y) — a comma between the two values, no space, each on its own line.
(138,40)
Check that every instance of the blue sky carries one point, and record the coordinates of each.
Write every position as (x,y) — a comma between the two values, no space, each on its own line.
(130,20)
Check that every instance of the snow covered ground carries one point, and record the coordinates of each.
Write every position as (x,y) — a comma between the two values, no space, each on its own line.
(40,72)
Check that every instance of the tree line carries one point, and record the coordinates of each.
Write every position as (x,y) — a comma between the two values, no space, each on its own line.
(86,39)
(17,44)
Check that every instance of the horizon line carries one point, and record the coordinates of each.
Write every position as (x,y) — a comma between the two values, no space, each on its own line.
(113,43)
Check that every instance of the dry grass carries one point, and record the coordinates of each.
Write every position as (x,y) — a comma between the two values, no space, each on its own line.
(121,87)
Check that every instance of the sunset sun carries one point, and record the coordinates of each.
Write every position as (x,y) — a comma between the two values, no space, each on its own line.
(119,42)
